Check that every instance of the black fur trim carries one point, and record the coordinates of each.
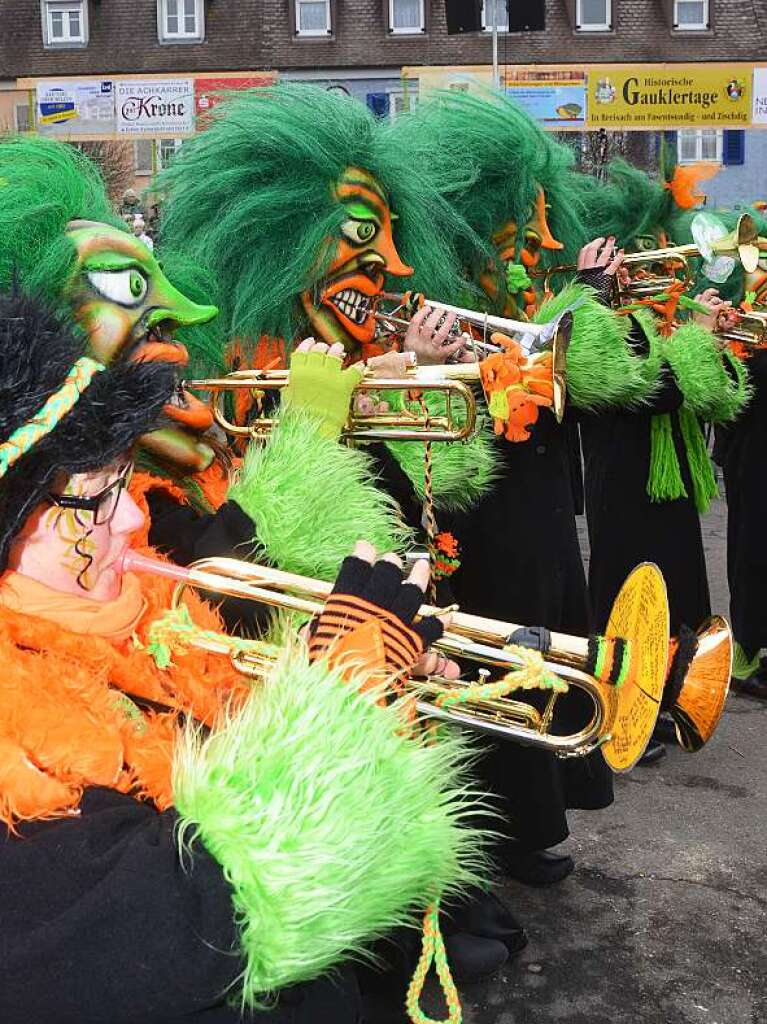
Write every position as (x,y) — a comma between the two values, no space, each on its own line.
(687,646)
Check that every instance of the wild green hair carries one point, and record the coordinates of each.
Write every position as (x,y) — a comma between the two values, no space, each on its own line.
(627,204)
(44,185)
(495,158)
(249,207)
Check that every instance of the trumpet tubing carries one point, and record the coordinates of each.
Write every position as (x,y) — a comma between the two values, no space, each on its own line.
(749,331)
(624,710)
(450,381)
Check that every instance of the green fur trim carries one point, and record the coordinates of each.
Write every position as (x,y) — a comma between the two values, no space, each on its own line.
(461,472)
(702,472)
(331,826)
(709,390)
(602,371)
(652,362)
(664,481)
(311,499)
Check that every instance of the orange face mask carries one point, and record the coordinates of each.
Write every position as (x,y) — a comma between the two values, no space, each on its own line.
(342,306)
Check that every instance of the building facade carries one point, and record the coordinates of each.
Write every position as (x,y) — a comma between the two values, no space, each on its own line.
(360,46)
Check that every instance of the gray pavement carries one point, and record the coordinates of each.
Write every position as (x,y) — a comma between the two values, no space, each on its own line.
(665,918)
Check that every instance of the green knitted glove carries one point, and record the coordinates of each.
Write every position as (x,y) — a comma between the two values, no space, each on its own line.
(320,387)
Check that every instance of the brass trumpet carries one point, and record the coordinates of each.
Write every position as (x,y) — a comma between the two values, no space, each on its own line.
(623,715)
(404,425)
(534,339)
(742,244)
(750,330)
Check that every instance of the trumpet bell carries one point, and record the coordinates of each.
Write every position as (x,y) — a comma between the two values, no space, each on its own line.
(640,614)
(699,705)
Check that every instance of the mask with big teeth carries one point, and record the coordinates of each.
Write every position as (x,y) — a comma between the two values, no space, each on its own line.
(130,310)
(341,307)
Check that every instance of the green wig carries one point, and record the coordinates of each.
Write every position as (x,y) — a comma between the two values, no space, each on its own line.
(249,207)
(43,186)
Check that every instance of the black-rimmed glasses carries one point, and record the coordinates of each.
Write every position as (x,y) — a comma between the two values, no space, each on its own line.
(102,506)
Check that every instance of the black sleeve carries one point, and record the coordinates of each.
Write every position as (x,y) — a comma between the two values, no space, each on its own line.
(100,921)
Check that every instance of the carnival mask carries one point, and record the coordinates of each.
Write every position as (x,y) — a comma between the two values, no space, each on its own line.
(341,307)
(130,310)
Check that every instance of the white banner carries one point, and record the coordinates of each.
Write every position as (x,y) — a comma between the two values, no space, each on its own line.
(155,107)
(70,107)
(760,96)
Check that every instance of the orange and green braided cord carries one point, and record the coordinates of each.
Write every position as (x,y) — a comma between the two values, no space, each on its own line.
(433,952)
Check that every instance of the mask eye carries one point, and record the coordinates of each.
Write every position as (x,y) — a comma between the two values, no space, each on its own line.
(359,231)
(126,287)
(645,243)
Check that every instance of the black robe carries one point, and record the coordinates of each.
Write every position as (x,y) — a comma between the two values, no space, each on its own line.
(102,925)
(746,481)
(626,527)
(521,562)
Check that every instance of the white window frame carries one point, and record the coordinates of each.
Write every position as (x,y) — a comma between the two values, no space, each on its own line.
(399,94)
(181,36)
(504,11)
(699,157)
(49,7)
(308,33)
(140,169)
(164,144)
(702,27)
(605,26)
(409,30)
(28,125)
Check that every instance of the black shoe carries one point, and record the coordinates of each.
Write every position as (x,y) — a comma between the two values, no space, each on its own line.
(472,957)
(538,867)
(665,730)
(483,915)
(654,752)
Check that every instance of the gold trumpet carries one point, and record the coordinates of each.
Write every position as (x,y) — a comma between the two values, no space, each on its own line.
(534,339)
(404,425)
(624,711)
(742,244)
(750,330)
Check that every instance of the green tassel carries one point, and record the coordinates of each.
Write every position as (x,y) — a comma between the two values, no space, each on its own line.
(742,666)
(664,482)
(702,472)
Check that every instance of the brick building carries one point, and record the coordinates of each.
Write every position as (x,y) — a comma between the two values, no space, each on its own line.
(360,46)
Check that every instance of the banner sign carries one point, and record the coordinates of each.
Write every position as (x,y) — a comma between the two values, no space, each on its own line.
(759,115)
(71,107)
(668,96)
(155,107)
(208,92)
(556,99)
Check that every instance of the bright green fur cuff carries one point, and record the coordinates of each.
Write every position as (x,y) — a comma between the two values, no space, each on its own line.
(331,826)
(311,499)
(602,370)
(461,472)
(710,390)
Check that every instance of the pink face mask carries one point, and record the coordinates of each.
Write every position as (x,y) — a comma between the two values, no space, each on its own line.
(75,541)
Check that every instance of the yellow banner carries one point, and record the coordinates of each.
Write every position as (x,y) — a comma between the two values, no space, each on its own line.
(622,96)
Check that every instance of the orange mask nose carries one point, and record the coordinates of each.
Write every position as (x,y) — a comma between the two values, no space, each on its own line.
(548,241)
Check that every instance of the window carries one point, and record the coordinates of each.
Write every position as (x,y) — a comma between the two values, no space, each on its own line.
(166,150)
(180,20)
(593,15)
(313,18)
(22,118)
(501,9)
(65,22)
(401,102)
(406,17)
(143,156)
(696,144)
(691,15)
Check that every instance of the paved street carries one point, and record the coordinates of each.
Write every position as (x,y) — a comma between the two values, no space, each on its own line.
(664,920)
